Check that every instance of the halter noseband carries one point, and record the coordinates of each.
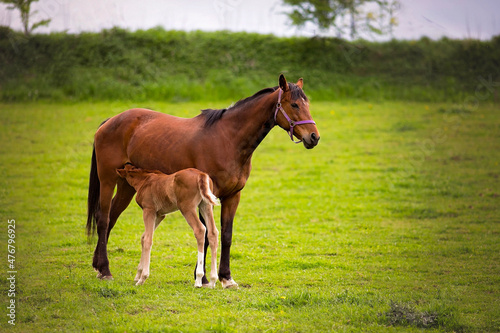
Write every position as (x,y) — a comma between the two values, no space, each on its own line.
(290,122)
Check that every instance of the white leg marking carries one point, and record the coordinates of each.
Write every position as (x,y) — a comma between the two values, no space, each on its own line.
(199,270)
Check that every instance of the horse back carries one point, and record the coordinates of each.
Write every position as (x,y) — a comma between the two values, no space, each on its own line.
(138,135)
(124,125)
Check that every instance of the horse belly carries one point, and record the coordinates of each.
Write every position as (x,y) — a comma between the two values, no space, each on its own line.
(170,144)
(164,146)
(167,209)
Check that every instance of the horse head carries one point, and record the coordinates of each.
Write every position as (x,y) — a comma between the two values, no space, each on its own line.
(294,106)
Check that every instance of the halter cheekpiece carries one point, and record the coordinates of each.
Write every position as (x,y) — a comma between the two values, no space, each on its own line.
(290,122)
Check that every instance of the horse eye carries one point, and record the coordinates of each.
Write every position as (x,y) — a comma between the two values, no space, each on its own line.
(294,105)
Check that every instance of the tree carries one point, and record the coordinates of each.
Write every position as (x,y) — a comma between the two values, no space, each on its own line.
(24,6)
(342,16)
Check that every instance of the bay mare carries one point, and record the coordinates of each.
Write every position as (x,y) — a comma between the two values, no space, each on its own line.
(217,142)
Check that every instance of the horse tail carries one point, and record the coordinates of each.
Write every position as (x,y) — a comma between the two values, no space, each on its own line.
(93,205)
(93,198)
(206,193)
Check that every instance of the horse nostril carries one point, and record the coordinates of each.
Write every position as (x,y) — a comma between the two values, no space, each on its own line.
(314,138)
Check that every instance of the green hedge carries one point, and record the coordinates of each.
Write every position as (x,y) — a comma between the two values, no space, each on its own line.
(178,66)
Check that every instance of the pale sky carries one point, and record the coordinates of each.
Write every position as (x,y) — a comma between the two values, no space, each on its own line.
(433,18)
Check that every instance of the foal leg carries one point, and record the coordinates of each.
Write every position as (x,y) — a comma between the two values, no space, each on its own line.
(139,268)
(199,232)
(204,280)
(158,219)
(149,216)
(212,234)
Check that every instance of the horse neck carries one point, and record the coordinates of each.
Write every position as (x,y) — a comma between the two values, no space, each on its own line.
(250,125)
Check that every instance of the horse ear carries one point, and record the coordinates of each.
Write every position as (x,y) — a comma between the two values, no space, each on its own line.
(121,172)
(283,83)
(300,83)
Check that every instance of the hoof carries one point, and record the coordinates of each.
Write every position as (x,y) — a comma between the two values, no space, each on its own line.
(198,282)
(210,285)
(229,284)
(105,277)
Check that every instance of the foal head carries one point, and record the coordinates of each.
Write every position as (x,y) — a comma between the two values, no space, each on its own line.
(134,176)
(295,104)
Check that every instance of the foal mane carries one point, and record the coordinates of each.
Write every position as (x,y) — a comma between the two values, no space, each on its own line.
(140,170)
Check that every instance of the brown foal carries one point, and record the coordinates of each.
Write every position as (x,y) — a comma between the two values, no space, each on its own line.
(159,194)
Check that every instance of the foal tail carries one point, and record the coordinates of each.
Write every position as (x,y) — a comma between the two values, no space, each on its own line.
(206,193)
(93,198)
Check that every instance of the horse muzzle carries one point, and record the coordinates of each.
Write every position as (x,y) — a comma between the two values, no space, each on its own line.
(310,141)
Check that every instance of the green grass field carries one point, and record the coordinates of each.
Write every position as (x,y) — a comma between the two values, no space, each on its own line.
(390,224)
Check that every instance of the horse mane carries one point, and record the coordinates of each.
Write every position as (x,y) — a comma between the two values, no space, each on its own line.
(213,115)
(297,92)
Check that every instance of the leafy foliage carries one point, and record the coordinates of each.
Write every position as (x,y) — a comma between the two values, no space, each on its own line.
(24,7)
(353,16)
(181,66)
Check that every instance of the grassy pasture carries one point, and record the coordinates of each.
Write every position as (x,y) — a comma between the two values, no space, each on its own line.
(390,224)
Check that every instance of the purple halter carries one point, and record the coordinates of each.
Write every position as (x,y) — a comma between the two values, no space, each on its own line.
(290,122)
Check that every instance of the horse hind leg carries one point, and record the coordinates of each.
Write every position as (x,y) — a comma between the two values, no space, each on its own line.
(100,261)
(199,232)
(110,210)
(204,279)
(212,234)
(121,200)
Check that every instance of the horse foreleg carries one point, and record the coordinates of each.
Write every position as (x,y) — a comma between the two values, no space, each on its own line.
(228,210)
(139,268)
(149,216)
